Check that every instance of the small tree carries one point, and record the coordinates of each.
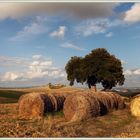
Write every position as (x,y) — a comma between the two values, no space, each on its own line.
(97,67)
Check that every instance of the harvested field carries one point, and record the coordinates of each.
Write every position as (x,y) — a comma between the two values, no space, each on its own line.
(116,124)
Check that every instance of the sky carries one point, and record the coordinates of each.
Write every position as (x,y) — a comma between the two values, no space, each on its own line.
(38,39)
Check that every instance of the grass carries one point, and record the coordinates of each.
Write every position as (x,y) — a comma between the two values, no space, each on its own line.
(55,114)
(10,96)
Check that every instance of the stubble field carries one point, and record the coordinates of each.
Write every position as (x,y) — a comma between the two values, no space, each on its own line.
(118,123)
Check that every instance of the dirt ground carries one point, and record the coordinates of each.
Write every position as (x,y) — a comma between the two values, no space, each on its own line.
(119,124)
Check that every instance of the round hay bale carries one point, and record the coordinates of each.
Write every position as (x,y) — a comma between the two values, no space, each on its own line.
(104,103)
(80,107)
(50,103)
(31,106)
(108,101)
(120,100)
(135,107)
(36,104)
(60,101)
(115,99)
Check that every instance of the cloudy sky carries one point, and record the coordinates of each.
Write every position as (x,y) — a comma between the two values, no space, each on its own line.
(37,39)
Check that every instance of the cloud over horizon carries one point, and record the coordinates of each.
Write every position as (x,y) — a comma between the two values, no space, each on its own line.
(38,67)
(132,72)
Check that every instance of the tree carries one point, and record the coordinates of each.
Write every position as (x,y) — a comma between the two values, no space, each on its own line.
(99,66)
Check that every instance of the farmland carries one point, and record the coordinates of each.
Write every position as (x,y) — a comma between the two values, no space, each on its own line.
(118,123)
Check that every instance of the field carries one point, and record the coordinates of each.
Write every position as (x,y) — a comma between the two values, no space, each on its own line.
(118,123)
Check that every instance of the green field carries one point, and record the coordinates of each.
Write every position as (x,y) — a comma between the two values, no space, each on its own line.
(10,96)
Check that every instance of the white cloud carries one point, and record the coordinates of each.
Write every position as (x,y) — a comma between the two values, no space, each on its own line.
(91,27)
(72,46)
(6,61)
(137,72)
(78,10)
(42,67)
(127,72)
(36,27)
(96,26)
(132,81)
(10,76)
(123,62)
(133,15)
(110,34)
(132,72)
(36,57)
(37,68)
(60,33)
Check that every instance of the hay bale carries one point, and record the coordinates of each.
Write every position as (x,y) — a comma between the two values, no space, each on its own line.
(104,102)
(80,107)
(135,106)
(113,100)
(60,101)
(50,103)
(36,104)
(85,105)
(30,106)
(120,101)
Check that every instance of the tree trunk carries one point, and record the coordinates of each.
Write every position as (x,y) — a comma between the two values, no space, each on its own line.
(94,88)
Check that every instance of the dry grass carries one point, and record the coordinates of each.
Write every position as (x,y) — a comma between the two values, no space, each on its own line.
(118,123)
(115,124)
(40,89)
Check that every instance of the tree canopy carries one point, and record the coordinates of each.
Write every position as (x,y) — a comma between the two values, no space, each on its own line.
(99,66)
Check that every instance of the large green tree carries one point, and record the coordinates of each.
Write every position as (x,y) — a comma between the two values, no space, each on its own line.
(99,66)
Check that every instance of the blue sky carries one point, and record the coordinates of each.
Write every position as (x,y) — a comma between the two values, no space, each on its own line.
(37,39)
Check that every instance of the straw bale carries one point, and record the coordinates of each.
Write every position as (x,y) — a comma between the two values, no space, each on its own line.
(80,107)
(36,104)
(135,107)
(85,105)
(30,106)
